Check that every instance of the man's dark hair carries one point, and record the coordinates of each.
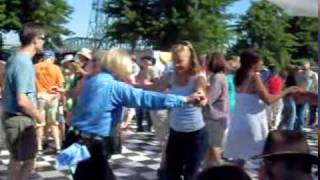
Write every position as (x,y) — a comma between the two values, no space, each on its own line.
(30,31)
(150,59)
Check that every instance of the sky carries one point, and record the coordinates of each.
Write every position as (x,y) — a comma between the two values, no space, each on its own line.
(81,15)
(79,19)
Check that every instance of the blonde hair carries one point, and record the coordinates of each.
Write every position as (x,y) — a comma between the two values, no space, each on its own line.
(194,61)
(116,61)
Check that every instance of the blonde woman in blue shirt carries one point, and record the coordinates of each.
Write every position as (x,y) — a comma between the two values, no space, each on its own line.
(99,109)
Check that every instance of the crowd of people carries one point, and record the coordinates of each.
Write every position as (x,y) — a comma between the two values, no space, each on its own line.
(214,117)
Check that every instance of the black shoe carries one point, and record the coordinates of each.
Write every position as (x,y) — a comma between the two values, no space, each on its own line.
(140,130)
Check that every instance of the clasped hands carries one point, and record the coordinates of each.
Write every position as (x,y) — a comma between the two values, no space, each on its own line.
(197,99)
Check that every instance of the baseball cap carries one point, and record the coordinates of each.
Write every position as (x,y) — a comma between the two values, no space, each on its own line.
(48,54)
(67,58)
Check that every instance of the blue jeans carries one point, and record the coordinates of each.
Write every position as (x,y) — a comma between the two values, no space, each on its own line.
(288,114)
(301,116)
(185,152)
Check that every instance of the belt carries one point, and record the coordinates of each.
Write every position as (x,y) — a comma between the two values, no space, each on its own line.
(10,114)
(89,136)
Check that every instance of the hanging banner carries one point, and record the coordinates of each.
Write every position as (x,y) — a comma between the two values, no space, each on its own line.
(308,8)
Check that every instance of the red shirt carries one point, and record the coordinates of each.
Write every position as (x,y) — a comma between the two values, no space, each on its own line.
(275,85)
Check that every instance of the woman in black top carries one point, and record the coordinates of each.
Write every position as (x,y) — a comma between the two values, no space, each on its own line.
(289,110)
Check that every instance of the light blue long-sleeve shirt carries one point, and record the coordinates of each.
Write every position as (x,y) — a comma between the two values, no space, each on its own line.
(100,103)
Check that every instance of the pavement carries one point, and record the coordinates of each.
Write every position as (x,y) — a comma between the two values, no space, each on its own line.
(139,160)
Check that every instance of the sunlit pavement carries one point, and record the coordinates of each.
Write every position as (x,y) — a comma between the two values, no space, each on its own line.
(139,160)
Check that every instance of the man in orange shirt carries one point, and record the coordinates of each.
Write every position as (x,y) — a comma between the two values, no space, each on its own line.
(49,79)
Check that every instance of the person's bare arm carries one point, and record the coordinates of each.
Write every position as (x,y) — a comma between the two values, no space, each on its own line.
(266,96)
(161,85)
(27,107)
(202,84)
(74,93)
(306,97)
(80,70)
(201,89)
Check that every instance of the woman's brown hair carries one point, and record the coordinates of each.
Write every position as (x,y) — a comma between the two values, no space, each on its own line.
(195,64)
(216,63)
(248,59)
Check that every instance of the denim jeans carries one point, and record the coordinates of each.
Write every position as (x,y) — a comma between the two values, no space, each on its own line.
(185,152)
(288,114)
(301,116)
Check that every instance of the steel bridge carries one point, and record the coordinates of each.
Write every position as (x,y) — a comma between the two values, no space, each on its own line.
(76,43)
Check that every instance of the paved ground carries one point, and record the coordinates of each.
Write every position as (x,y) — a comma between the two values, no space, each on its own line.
(139,159)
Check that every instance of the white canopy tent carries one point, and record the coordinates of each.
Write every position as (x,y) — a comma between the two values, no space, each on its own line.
(308,8)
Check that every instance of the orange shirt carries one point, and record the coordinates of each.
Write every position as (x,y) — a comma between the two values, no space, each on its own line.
(48,76)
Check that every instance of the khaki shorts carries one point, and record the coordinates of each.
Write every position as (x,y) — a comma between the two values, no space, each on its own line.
(216,131)
(50,110)
(21,136)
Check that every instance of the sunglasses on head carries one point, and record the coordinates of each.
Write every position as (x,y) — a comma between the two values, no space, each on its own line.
(185,43)
(42,37)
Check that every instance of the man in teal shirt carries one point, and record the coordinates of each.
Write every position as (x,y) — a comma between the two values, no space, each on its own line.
(19,102)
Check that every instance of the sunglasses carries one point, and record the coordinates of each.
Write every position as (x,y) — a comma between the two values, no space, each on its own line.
(42,38)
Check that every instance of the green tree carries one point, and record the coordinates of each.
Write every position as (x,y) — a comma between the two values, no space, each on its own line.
(305,29)
(160,23)
(51,13)
(264,27)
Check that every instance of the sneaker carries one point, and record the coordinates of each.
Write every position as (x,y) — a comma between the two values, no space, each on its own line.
(40,152)
(58,151)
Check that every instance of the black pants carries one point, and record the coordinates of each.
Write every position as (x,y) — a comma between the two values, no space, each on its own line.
(185,152)
(97,167)
(143,115)
(313,113)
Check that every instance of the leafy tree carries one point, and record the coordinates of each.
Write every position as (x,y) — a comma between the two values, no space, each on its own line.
(51,13)
(305,29)
(280,38)
(160,23)
(264,27)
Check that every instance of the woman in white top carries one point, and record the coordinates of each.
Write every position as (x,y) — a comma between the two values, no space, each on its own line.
(249,125)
